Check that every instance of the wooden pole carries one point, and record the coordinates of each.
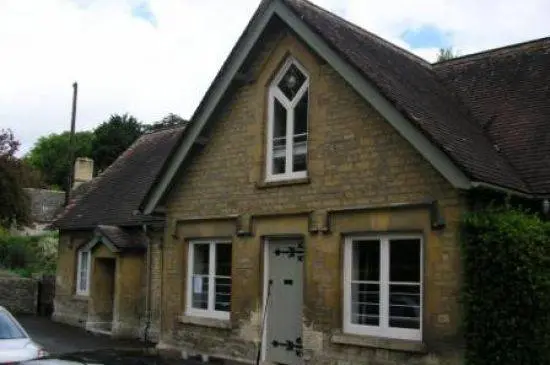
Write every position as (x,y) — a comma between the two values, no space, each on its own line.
(71,146)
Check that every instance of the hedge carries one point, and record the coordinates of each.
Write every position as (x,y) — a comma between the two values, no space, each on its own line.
(506,287)
(28,255)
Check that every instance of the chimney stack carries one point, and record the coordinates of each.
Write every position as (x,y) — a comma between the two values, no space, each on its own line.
(83,171)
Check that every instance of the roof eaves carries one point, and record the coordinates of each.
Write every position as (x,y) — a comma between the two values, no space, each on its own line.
(488,53)
(210,100)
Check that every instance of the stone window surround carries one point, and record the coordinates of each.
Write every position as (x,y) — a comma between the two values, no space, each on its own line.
(209,313)
(276,94)
(383,331)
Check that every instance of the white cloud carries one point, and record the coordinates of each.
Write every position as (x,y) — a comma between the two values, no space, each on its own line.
(126,64)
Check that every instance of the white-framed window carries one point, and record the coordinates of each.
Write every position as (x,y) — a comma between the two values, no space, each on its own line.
(83,272)
(209,279)
(287,132)
(383,286)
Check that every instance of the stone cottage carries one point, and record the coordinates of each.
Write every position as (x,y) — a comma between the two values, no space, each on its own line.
(310,211)
(108,251)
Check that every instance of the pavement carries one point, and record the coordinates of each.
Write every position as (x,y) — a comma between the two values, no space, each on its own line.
(59,338)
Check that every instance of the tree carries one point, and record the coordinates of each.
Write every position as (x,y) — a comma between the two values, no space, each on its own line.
(169,121)
(50,155)
(447,54)
(113,137)
(14,203)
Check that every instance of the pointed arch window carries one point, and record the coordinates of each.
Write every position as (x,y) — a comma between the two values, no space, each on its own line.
(288,123)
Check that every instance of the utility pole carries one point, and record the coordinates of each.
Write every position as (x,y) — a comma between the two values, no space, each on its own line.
(71,146)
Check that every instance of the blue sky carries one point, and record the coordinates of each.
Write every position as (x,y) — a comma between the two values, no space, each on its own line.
(154,57)
(143,11)
(426,36)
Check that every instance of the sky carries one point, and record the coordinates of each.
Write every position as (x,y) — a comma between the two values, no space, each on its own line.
(149,58)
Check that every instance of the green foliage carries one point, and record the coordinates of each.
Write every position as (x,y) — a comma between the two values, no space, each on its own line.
(113,137)
(506,287)
(169,121)
(14,203)
(447,54)
(50,155)
(27,255)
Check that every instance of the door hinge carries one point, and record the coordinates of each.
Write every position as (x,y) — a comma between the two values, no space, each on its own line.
(292,251)
(293,346)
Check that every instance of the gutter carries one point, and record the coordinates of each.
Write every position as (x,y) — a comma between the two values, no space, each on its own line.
(479,184)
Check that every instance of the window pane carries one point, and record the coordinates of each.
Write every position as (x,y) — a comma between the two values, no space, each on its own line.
(199,286)
(279,165)
(201,258)
(279,139)
(299,163)
(366,260)
(223,259)
(300,116)
(291,82)
(223,294)
(83,273)
(405,261)
(83,281)
(279,120)
(405,306)
(84,260)
(299,147)
(365,304)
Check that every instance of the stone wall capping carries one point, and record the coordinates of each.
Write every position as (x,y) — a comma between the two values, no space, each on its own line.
(205,322)
(378,342)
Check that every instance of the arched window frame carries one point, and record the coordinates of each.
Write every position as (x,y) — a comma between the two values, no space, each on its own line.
(275,93)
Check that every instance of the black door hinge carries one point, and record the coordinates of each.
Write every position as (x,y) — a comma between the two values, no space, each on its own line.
(295,346)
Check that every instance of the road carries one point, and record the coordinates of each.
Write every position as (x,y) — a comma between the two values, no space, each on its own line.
(61,338)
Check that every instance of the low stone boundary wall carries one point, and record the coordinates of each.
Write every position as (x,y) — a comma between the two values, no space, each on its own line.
(19,295)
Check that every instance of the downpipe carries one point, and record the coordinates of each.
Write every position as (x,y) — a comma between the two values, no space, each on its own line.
(148,290)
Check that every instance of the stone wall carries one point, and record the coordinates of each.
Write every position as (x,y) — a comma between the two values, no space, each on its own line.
(355,159)
(19,295)
(45,203)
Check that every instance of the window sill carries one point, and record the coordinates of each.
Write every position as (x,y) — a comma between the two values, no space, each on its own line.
(81,297)
(378,342)
(205,322)
(277,183)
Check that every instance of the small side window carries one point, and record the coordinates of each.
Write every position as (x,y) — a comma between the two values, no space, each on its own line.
(83,273)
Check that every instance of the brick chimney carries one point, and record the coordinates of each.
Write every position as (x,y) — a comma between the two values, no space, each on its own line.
(83,170)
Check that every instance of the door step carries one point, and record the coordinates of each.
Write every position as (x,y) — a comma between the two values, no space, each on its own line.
(100,328)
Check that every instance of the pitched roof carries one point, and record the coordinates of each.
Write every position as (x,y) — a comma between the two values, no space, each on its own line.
(416,91)
(413,95)
(113,198)
(123,239)
(508,92)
